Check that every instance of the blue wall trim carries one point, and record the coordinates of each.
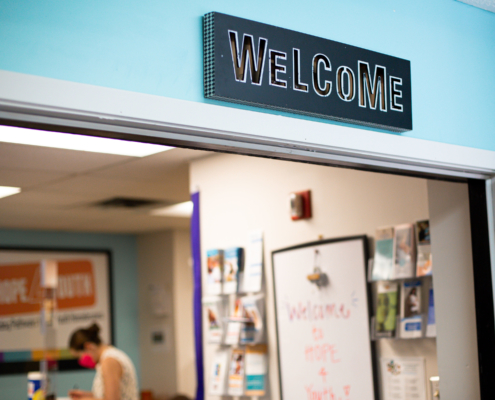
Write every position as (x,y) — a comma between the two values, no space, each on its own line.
(125,292)
(155,47)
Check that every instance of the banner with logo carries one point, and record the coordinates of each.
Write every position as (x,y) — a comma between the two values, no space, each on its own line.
(83,297)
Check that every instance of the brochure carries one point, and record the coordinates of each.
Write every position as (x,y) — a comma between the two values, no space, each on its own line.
(253,331)
(404,266)
(215,310)
(253,271)
(411,323)
(218,376)
(383,265)
(424,264)
(236,373)
(233,265)
(256,370)
(431,327)
(235,324)
(386,309)
(215,271)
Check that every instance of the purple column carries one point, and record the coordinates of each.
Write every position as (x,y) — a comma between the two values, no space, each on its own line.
(198,331)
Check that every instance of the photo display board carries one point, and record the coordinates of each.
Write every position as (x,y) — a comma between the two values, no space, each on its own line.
(83,297)
(323,332)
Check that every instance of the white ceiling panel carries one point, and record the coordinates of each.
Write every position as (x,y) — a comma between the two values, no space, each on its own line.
(154,168)
(60,188)
(19,156)
(173,187)
(42,199)
(28,178)
(87,220)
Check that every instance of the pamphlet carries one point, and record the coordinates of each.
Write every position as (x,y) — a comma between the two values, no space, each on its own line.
(424,264)
(215,271)
(383,264)
(253,271)
(403,378)
(386,309)
(233,264)
(431,326)
(253,330)
(235,323)
(404,266)
(215,309)
(236,373)
(411,323)
(218,376)
(256,370)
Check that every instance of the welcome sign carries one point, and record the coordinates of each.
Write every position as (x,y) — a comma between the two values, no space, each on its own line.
(261,65)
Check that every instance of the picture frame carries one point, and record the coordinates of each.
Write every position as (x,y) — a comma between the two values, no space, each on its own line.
(84,296)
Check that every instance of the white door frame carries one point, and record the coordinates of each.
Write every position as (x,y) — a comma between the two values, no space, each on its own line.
(134,116)
(33,101)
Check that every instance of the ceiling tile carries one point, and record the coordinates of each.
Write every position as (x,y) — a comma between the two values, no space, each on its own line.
(27,178)
(60,186)
(86,220)
(153,168)
(173,186)
(18,156)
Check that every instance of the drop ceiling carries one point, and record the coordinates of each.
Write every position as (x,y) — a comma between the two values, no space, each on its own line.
(60,188)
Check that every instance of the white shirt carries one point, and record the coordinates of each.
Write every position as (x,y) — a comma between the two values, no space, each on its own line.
(128,381)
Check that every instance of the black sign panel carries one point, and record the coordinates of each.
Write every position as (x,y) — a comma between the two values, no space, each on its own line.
(261,65)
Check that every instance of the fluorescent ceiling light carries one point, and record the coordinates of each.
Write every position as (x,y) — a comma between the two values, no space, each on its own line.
(69,141)
(183,210)
(8,191)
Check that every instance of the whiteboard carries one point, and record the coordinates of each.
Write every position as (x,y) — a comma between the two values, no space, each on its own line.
(323,333)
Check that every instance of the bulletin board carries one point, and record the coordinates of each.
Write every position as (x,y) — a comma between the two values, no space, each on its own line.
(324,347)
(84,296)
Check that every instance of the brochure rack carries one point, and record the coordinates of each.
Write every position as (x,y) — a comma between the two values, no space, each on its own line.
(235,321)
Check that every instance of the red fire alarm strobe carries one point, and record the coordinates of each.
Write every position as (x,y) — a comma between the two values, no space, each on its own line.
(300,205)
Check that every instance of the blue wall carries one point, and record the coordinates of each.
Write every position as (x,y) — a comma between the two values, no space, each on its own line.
(124,253)
(155,47)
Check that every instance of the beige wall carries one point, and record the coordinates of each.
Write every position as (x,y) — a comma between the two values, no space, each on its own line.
(454,290)
(163,261)
(183,311)
(239,194)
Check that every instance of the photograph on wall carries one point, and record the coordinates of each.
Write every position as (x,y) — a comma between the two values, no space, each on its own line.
(82,297)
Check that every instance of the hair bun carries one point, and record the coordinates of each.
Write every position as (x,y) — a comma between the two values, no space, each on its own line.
(94,329)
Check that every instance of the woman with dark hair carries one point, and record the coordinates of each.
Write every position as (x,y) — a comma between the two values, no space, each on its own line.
(115,377)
